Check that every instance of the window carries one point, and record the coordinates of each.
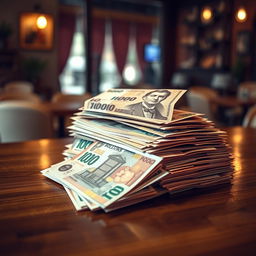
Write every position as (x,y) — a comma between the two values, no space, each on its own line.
(132,72)
(109,75)
(72,79)
(156,65)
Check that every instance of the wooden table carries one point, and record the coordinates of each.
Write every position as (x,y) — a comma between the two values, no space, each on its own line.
(37,217)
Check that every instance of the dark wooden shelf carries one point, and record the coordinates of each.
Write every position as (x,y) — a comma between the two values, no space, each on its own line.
(8,64)
(206,35)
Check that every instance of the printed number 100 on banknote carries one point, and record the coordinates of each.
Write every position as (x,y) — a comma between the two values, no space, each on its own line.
(103,173)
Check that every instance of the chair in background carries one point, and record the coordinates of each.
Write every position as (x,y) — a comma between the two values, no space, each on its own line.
(247,90)
(250,118)
(179,81)
(222,82)
(19,90)
(201,100)
(18,87)
(21,121)
(205,100)
(71,98)
(67,100)
(20,97)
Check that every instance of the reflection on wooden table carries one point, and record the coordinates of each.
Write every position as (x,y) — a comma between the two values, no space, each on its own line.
(37,217)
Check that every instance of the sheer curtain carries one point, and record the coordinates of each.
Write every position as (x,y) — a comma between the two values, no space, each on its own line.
(67,22)
(120,37)
(98,33)
(143,36)
(98,36)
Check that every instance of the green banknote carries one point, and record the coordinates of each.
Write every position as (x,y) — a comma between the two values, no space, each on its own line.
(104,172)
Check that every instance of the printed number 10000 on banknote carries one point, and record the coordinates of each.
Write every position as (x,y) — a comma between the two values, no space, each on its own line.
(154,106)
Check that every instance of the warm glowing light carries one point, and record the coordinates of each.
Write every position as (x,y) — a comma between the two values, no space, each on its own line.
(241,15)
(206,14)
(41,22)
(44,143)
(238,165)
(44,161)
(130,73)
(237,138)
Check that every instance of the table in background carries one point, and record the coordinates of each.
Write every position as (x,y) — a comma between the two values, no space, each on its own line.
(37,217)
(240,107)
(233,101)
(61,111)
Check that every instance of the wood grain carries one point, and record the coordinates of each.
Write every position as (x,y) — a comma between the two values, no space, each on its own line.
(37,217)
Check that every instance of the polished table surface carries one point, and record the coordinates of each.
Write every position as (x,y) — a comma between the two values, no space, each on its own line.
(37,217)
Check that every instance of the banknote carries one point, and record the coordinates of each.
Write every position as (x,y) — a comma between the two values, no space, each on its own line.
(151,105)
(95,115)
(182,120)
(198,182)
(82,203)
(79,132)
(140,196)
(115,128)
(145,123)
(80,144)
(78,201)
(103,172)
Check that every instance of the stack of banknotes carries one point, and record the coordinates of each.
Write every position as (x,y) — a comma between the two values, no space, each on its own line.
(131,145)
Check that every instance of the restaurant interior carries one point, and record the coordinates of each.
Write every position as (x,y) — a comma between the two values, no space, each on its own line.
(122,183)
(55,54)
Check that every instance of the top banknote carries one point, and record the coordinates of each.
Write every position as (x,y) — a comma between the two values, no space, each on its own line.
(150,105)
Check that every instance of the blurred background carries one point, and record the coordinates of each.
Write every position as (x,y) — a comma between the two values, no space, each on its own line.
(80,48)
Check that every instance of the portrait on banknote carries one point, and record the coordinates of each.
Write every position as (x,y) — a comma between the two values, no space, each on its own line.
(150,106)
(154,106)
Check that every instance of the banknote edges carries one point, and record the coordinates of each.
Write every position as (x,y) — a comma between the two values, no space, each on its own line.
(75,174)
(194,153)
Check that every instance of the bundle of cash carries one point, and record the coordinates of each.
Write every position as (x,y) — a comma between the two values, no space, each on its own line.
(103,173)
(131,145)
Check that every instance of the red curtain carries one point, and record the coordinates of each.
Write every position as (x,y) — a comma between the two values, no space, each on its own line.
(98,36)
(66,31)
(143,36)
(120,37)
